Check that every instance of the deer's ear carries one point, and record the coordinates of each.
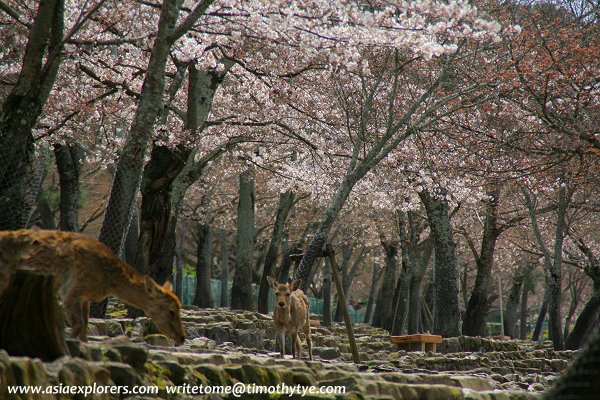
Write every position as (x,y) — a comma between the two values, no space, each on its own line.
(296,284)
(168,285)
(151,286)
(272,282)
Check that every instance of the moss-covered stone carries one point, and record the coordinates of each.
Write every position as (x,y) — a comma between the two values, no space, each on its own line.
(134,355)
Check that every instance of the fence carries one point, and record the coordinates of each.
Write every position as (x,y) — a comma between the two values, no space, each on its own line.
(316,305)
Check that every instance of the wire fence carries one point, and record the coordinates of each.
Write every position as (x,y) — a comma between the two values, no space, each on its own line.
(20,186)
(316,305)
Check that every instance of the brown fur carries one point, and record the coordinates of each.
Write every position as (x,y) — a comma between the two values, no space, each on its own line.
(86,270)
(291,316)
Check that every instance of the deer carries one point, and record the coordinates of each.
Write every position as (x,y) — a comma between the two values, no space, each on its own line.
(291,316)
(85,271)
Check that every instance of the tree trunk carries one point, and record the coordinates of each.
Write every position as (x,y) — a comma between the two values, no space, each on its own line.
(224,269)
(427,315)
(203,296)
(580,380)
(179,264)
(512,304)
(315,247)
(327,296)
(523,317)
(241,292)
(584,323)
(422,252)
(414,305)
(131,241)
(478,305)
(347,250)
(348,275)
(552,264)
(447,317)
(377,273)
(402,294)
(31,322)
(377,313)
(20,111)
(130,165)
(572,307)
(69,160)
(540,319)
(286,201)
(385,306)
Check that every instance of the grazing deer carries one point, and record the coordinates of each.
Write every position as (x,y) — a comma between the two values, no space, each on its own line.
(86,270)
(291,316)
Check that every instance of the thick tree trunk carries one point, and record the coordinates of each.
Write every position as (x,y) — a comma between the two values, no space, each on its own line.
(128,175)
(31,322)
(203,296)
(478,305)
(241,292)
(20,111)
(286,201)
(580,380)
(511,313)
(447,317)
(584,323)
(224,269)
(69,160)
(130,165)
(163,173)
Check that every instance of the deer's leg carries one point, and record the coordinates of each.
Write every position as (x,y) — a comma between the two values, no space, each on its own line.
(85,312)
(294,337)
(282,344)
(75,317)
(306,330)
(299,346)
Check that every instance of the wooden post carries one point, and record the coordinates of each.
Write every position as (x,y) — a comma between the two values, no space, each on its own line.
(342,302)
(501,308)
(31,322)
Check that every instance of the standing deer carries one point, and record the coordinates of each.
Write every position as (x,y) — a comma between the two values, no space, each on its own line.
(290,316)
(86,270)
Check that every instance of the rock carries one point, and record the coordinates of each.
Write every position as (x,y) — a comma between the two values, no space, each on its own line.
(122,374)
(202,343)
(159,340)
(133,355)
(251,338)
(326,353)
(215,375)
(176,372)
(220,335)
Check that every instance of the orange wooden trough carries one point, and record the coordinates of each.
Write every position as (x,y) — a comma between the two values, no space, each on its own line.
(419,342)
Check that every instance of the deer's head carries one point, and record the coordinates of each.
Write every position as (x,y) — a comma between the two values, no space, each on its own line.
(164,310)
(283,292)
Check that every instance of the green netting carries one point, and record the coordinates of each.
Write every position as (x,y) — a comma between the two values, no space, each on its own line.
(316,305)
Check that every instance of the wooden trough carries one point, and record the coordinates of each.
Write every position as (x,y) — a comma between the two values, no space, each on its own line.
(419,342)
